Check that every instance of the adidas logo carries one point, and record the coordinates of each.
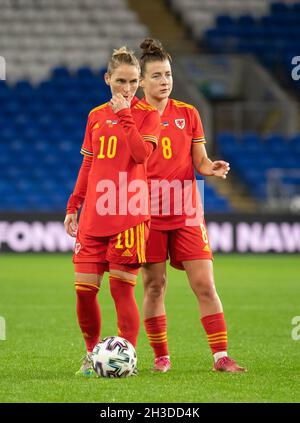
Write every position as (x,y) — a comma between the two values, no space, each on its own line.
(127,253)
(206,248)
(96,126)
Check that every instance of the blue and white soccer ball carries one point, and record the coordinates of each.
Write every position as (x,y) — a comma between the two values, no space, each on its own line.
(114,357)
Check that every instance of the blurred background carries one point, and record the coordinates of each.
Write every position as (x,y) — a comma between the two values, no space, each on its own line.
(235,60)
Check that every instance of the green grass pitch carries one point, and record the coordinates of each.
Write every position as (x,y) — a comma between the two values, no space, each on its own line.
(43,348)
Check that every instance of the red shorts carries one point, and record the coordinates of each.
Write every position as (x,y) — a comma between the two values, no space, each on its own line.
(125,248)
(186,243)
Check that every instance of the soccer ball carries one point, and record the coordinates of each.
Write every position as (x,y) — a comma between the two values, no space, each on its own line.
(114,357)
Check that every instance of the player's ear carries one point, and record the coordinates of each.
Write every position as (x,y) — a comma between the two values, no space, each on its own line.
(107,78)
(141,83)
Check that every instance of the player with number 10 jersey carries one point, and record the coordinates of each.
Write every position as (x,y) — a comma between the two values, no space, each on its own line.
(112,186)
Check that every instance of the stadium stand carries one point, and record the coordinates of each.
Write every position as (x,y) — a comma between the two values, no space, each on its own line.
(46,140)
(55,52)
(267,163)
(272,38)
(38,35)
(198,16)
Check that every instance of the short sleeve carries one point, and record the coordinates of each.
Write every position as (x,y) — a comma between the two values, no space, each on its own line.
(87,148)
(150,130)
(198,132)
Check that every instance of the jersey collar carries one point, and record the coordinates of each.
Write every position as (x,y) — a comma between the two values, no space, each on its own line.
(166,108)
(134,101)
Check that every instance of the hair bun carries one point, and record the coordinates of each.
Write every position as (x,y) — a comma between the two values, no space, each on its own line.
(151,46)
(121,50)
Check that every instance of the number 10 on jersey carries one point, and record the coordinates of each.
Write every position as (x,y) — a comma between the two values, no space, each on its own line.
(107,149)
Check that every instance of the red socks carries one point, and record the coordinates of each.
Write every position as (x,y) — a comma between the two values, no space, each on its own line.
(215,328)
(122,291)
(88,313)
(156,329)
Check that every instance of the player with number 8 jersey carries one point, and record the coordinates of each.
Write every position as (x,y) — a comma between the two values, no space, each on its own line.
(172,160)
(178,228)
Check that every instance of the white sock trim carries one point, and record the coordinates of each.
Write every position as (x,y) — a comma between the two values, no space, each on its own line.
(219,355)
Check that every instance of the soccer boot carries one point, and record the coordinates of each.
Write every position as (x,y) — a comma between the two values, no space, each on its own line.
(162,364)
(86,369)
(227,364)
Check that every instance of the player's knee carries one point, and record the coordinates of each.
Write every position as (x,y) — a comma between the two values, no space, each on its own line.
(115,289)
(205,288)
(88,278)
(208,294)
(155,287)
(122,285)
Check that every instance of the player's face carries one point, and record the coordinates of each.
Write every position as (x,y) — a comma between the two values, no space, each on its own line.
(124,80)
(157,82)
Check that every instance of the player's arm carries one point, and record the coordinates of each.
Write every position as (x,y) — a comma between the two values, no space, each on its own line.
(77,197)
(140,148)
(202,163)
(205,166)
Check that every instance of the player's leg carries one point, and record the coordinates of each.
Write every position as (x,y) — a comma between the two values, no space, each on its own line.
(125,254)
(191,251)
(87,307)
(155,283)
(200,274)
(122,281)
(155,318)
(88,310)
(89,262)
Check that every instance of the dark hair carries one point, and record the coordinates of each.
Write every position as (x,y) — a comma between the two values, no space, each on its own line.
(122,56)
(152,51)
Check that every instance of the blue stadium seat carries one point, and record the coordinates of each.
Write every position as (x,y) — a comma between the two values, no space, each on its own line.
(279,8)
(253,156)
(252,143)
(60,72)
(85,73)
(46,135)
(225,21)
(246,21)
(268,37)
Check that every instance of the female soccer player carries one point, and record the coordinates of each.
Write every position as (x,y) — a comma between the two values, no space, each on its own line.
(112,186)
(180,150)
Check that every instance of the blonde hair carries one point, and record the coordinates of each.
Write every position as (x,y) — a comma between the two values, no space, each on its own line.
(122,56)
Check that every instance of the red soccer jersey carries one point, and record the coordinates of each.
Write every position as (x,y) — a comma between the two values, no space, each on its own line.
(108,207)
(172,160)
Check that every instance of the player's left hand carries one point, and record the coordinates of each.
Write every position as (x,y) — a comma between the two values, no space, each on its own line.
(220,168)
(118,102)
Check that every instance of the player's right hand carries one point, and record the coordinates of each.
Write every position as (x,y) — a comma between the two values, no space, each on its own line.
(71,225)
